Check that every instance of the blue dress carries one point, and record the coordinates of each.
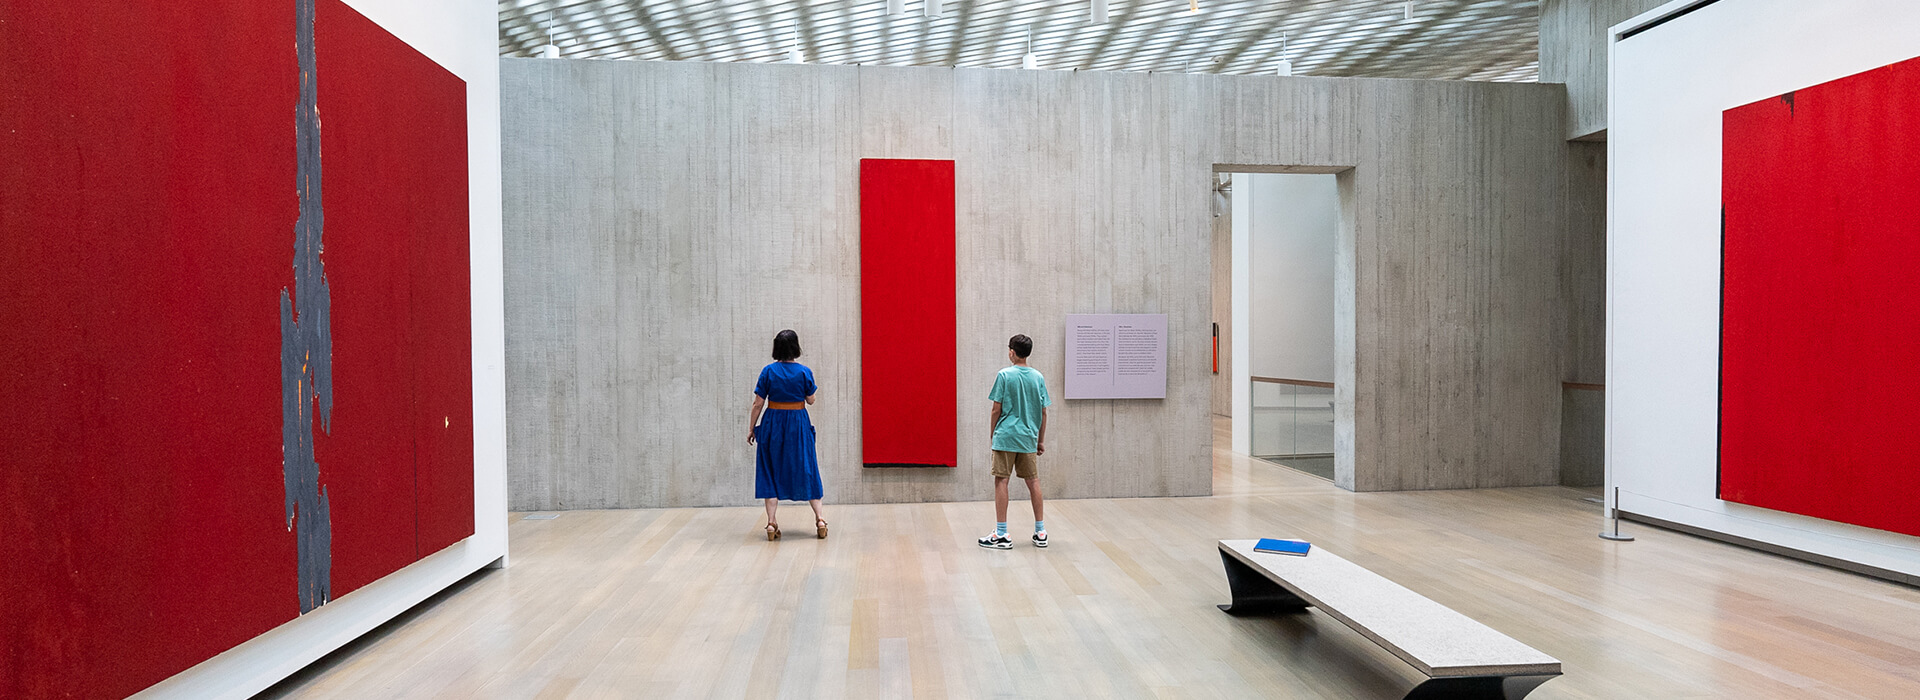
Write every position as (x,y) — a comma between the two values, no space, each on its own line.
(785,464)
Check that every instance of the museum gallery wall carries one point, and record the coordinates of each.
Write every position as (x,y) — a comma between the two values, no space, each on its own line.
(234,299)
(664,219)
(1763,171)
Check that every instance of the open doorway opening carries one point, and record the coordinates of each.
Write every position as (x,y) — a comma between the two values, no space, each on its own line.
(1280,232)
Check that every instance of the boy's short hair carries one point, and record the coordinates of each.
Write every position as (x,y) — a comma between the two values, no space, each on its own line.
(786,346)
(1021,345)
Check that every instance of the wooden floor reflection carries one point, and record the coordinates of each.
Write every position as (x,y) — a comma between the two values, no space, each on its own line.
(900,603)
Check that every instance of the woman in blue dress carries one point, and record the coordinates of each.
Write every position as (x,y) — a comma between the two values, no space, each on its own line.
(785,464)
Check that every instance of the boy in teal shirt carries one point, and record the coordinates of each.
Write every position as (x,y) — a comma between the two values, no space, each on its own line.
(1020,404)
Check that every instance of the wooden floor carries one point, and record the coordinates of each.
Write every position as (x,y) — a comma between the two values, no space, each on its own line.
(899,602)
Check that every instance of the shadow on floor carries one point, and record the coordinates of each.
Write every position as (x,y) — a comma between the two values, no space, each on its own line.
(292,684)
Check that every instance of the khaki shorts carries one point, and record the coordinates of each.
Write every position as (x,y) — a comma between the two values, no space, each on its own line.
(1022,464)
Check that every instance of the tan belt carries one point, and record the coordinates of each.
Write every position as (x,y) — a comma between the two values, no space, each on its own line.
(787,405)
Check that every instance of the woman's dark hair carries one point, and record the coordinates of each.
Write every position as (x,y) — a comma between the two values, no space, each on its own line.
(786,346)
(1021,345)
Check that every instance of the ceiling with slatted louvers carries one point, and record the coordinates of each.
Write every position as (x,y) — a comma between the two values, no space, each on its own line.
(1493,40)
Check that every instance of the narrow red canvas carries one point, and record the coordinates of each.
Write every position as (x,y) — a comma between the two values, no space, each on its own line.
(907,323)
(148,208)
(1820,348)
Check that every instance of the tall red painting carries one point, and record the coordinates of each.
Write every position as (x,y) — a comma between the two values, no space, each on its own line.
(1820,348)
(907,333)
(235,362)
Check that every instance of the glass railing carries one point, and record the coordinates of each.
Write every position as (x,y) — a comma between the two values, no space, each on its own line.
(1293,423)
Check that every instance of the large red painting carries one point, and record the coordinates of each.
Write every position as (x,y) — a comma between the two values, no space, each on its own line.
(907,332)
(235,374)
(1820,348)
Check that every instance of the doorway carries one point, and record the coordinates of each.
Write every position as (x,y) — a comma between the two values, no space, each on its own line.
(1281,231)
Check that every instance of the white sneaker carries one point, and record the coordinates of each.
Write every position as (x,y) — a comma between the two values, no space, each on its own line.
(1040,539)
(996,541)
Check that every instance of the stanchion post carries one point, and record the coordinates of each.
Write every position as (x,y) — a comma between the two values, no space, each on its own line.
(1613,514)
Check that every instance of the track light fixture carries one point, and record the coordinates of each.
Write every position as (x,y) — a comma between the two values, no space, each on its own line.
(550,50)
(1285,66)
(1030,61)
(1099,11)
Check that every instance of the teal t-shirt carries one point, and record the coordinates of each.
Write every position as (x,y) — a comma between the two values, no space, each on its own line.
(1021,392)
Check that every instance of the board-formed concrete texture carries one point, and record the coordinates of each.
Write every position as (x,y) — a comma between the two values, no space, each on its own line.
(1573,50)
(665,219)
(1221,293)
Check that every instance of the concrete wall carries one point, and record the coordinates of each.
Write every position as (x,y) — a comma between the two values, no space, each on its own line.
(665,219)
(1583,437)
(1222,296)
(1583,265)
(1573,50)
(1583,291)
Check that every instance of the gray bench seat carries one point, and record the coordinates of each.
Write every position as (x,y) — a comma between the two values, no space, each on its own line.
(1461,657)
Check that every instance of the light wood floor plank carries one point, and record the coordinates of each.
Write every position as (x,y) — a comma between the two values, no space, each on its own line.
(899,602)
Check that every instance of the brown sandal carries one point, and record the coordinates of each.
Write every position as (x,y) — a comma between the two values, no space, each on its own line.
(773,532)
(820,527)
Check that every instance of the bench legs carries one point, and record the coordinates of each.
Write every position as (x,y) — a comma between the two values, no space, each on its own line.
(1477,688)
(1254,593)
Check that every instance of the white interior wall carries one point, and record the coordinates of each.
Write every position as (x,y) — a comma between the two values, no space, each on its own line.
(1670,85)
(1242,303)
(1292,223)
(1285,227)
(463,37)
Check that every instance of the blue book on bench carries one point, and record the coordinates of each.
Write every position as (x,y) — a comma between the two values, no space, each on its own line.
(1296,548)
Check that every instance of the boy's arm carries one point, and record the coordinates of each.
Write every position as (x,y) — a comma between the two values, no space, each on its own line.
(995,422)
(1041,443)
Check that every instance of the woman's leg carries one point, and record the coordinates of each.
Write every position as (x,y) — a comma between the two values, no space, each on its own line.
(771,503)
(819,519)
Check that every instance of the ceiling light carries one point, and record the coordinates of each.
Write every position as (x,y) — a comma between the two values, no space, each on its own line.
(549,51)
(1285,65)
(1099,11)
(1030,61)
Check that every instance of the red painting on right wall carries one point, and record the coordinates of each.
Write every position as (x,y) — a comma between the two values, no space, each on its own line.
(1820,301)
